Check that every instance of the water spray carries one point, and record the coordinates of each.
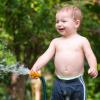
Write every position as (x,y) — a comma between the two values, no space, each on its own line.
(21,70)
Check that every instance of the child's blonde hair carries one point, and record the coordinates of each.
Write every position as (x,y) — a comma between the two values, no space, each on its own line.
(75,11)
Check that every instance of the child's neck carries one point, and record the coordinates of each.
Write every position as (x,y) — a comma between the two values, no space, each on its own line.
(70,35)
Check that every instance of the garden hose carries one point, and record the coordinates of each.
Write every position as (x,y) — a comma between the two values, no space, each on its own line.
(44,88)
(38,75)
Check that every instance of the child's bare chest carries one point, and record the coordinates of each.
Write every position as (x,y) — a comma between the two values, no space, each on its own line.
(69,46)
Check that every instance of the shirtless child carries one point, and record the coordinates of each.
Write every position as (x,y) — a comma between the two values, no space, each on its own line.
(69,52)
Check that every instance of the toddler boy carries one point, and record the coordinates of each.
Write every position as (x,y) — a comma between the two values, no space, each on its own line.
(69,52)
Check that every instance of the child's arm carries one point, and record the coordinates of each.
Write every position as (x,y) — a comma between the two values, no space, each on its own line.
(43,59)
(90,58)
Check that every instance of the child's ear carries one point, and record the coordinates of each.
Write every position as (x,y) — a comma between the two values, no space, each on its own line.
(77,23)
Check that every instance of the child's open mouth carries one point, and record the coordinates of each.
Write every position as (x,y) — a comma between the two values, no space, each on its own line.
(61,29)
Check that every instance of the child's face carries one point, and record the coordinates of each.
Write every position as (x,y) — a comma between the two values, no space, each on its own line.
(65,24)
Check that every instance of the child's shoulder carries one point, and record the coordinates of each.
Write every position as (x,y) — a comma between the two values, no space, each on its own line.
(55,41)
(83,39)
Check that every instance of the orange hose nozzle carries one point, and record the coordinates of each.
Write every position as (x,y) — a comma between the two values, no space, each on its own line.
(33,74)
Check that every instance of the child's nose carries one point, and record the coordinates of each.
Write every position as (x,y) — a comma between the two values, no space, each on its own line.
(59,24)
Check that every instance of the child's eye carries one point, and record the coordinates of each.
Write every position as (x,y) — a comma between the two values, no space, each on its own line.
(64,21)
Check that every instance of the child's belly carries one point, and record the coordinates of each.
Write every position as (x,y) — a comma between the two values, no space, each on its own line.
(69,64)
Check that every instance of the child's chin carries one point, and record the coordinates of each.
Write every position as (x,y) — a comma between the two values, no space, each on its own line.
(62,33)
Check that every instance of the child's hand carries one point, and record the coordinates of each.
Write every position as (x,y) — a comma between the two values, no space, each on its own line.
(93,72)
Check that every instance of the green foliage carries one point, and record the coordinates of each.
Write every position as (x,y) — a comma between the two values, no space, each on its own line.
(6,57)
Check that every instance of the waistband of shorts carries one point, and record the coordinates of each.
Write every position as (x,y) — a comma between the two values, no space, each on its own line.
(67,81)
(69,78)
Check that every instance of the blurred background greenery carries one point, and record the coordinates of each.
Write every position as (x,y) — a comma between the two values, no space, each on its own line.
(27,27)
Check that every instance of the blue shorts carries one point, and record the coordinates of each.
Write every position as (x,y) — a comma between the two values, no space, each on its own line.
(69,89)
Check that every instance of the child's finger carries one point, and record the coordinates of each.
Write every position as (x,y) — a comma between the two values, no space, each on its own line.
(93,73)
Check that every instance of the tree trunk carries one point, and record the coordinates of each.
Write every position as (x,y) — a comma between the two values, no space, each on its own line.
(18,87)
